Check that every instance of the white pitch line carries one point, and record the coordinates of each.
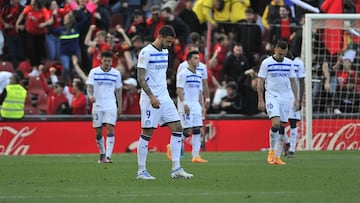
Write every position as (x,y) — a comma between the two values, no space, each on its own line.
(147,195)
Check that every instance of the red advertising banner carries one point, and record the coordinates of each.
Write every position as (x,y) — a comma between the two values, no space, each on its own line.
(74,137)
(332,134)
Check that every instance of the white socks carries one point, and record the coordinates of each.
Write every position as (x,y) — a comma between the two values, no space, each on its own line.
(196,144)
(273,138)
(279,146)
(110,141)
(175,146)
(293,138)
(142,152)
(101,145)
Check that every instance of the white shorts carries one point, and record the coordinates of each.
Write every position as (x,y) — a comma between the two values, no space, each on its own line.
(102,117)
(151,117)
(275,108)
(293,114)
(191,120)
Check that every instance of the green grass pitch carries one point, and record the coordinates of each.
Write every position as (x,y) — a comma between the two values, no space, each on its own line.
(313,176)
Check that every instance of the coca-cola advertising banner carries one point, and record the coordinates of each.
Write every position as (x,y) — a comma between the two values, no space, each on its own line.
(75,137)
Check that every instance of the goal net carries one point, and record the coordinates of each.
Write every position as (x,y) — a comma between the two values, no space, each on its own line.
(331,51)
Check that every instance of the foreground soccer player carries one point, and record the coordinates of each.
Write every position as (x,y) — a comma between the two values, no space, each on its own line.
(155,103)
(276,72)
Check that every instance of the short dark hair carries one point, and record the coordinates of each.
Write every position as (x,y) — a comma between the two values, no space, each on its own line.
(106,53)
(231,85)
(60,83)
(281,44)
(190,54)
(167,10)
(287,8)
(16,77)
(166,31)
(194,37)
(237,44)
(80,85)
(20,73)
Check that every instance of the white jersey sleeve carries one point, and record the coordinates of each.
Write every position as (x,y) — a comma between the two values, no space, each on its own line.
(144,57)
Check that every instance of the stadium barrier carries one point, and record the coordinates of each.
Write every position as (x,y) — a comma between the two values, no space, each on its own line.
(69,135)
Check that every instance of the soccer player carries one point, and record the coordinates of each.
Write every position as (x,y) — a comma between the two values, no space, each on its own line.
(190,101)
(276,71)
(104,88)
(201,67)
(156,106)
(294,115)
(204,75)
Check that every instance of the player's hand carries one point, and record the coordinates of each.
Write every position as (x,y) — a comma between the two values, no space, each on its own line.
(91,99)
(154,102)
(300,106)
(203,113)
(297,105)
(261,105)
(207,105)
(186,109)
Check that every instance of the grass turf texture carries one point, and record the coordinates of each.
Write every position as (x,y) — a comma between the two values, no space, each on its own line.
(322,176)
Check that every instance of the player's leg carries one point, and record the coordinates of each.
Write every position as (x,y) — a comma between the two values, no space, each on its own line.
(142,152)
(185,123)
(149,122)
(196,145)
(292,114)
(197,121)
(97,118)
(286,144)
(283,119)
(293,137)
(273,110)
(110,142)
(110,121)
(171,117)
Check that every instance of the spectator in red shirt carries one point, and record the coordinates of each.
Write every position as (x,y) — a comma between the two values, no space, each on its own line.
(14,40)
(78,103)
(282,28)
(131,97)
(37,18)
(57,101)
(96,46)
(155,21)
(218,58)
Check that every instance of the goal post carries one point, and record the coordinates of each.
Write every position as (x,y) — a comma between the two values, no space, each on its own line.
(318,47)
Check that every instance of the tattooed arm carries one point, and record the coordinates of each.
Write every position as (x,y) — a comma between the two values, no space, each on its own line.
(141,72)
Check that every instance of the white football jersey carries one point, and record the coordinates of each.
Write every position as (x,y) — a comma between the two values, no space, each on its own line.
(156,63)
(277,77)
(104,84)
(192,87)
(299,68)
(201,68)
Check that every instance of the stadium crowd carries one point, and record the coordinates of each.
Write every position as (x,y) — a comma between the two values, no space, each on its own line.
(56,43)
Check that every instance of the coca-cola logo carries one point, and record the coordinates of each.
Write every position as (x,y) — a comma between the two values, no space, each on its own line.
(345,138)
(14,146)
